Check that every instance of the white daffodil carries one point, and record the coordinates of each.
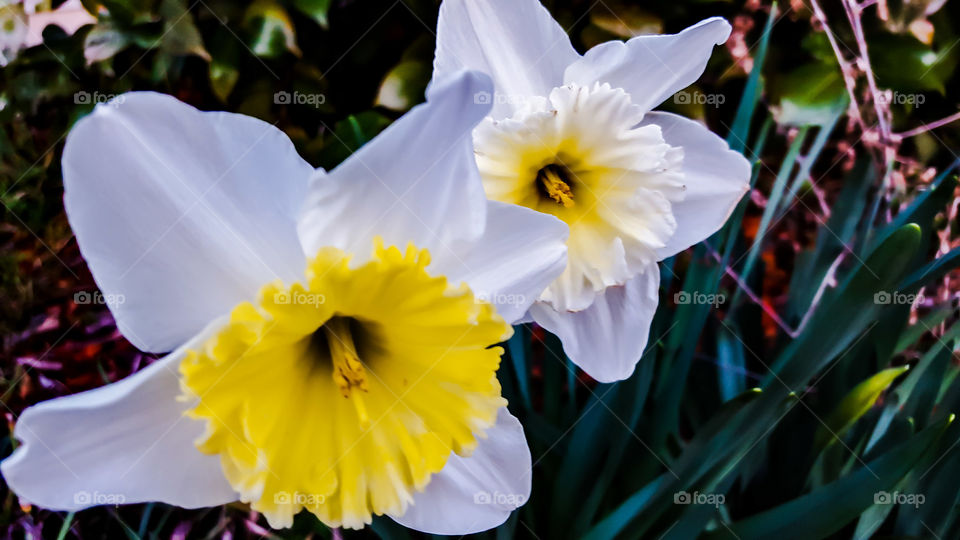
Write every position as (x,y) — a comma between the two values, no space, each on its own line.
(336,358)
(573,136)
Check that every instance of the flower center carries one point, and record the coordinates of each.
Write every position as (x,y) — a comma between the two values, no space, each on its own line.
(596,167)
(345,394)
(554,182)
(335,338)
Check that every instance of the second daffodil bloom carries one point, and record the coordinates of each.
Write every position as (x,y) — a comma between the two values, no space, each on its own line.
(332,333)
(574,136)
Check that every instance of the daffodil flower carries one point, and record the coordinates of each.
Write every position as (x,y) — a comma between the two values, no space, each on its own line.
(332,333)
(574,136)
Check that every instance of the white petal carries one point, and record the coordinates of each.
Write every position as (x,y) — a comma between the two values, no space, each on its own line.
(476,493)
(516,41)
(181,214)
(716,178)
(126,442)
(651,68)
(415,182)
(520,253)
(608,338)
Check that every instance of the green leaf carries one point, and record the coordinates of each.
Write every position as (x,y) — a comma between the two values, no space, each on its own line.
(915,331)
(717,437)
(587,448)
(871,520)
(404,85)
(103,42)
(350,134)
(810,95)
(180,34)
(315,9)
(854,303)
(704,466)
(271,30)
(128,12)
(832,239)
(628,408)
(732,363)
(922,400)
(65,528)
(831,507)
(905,64)
(740,131)
(773,201)
(617,521)
(934,477)
(628,21)
(932,271)
(387,529)
(223,77)
(854,405)
(923,209)
(802,177)
(518,346)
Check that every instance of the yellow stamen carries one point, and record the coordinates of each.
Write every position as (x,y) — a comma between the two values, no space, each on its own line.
(552,182)
(348,371)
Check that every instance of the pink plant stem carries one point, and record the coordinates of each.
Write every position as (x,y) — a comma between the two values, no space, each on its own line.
(828,280)
(752,296)
(849,78)
(853,14)
(928,127)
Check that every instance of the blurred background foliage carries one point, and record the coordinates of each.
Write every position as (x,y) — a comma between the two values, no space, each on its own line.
(800,393)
